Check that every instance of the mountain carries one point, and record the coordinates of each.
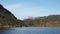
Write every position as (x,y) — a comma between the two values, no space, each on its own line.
(50,20)
(7,19)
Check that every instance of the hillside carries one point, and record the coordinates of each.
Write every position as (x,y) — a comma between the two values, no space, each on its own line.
(51,20)
(7,19)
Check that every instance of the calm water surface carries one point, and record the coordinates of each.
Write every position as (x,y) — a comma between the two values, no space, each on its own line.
(31,30)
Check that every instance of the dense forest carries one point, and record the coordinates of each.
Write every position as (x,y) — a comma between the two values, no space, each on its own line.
(7,19)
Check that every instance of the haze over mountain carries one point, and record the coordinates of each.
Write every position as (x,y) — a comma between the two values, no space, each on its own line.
(46,21)
(23,9)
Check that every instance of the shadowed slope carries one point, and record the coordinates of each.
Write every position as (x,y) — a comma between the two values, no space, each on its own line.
(7,18)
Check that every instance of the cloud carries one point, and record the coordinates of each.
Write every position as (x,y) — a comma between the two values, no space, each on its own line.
(13,6)
(34,12)
(22,11)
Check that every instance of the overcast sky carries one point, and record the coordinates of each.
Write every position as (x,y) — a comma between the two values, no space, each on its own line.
(32,8)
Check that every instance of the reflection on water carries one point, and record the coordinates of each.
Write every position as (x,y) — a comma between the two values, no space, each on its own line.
(31,30)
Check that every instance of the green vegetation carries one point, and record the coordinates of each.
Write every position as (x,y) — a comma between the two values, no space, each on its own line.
(51,20)
(7,19)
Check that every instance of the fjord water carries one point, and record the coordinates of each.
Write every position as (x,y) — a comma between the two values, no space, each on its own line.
(31,30)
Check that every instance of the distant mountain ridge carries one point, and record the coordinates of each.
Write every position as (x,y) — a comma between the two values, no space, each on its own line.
(51,20)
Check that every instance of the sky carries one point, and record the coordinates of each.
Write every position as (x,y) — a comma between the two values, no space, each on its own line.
(23,9)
